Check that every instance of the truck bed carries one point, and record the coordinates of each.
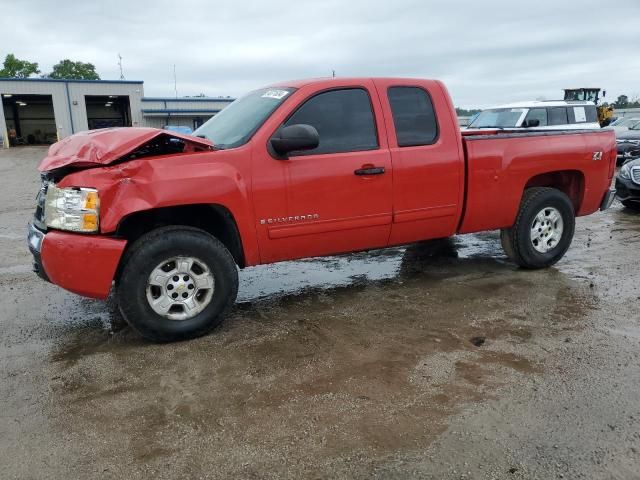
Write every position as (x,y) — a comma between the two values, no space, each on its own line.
(500,164)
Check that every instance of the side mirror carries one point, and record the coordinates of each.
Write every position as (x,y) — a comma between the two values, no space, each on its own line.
(534,122)
(295,137)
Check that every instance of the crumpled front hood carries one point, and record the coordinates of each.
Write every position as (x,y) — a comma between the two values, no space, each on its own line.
(105,146)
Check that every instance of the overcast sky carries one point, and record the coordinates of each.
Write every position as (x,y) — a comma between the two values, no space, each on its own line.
(488,52)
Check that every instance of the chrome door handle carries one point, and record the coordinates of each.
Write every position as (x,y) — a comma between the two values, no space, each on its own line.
(369,171)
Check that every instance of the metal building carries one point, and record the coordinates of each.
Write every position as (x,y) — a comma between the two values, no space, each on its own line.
(186,112)
(38,111)
(41,111)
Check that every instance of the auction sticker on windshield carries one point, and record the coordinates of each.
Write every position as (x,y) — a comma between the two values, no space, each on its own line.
(277,94)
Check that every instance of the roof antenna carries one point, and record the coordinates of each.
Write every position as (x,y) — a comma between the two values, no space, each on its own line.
(120,65)
(175,81)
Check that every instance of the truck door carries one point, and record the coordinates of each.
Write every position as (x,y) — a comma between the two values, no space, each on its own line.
(335,198)
(428,161)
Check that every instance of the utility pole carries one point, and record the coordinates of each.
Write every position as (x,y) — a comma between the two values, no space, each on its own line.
(120,65)
(175,81)
(333,73)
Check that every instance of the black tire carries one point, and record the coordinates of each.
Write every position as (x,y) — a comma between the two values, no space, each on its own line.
(156,247)
(517,242)
(631,205)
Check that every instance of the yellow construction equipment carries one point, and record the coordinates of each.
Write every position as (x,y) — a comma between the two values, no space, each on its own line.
(605,112)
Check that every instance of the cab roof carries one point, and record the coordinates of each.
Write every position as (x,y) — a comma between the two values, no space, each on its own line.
(328,81)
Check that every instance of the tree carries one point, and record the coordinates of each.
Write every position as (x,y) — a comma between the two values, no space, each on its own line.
(70,70)
(621,102)
(15,68)
(462,112)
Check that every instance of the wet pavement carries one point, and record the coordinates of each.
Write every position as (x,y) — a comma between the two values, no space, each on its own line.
(440,360)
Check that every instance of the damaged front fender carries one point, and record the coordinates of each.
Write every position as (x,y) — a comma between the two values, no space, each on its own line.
(211,177)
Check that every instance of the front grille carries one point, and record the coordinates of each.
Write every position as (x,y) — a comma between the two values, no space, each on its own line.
(635,175)
(38,216)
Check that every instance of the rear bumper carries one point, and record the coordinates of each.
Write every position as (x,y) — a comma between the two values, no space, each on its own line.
(608,199)
(82,264)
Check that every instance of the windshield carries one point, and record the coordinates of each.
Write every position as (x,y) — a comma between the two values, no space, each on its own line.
(497,117)
(237,123)
(627,122)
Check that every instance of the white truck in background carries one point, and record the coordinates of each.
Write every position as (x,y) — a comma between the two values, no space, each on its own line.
(539,115)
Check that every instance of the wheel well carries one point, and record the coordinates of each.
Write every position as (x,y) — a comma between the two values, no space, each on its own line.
(570,182)
(215,219)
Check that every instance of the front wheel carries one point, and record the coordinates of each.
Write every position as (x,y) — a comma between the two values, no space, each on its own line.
(543,230)
(176,283)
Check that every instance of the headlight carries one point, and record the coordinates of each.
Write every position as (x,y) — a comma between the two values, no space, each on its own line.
(625,170)
(632,142)
(75,209)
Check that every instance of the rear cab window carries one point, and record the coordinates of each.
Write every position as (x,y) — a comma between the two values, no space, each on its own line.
(414,117)
(344,120)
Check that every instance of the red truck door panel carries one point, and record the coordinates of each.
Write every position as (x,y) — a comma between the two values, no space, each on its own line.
(428,164)
(335,198)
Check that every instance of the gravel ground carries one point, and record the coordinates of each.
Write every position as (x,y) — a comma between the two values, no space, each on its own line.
(440,360)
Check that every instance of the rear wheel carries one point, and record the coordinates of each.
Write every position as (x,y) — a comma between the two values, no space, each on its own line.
(543,230)
(176,283)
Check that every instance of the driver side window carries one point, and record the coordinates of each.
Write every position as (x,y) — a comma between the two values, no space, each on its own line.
(343,118)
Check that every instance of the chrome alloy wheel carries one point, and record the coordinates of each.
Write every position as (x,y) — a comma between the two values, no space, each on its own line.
(180,288)
(546,229)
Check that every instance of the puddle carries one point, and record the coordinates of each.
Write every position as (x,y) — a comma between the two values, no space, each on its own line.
(289,278)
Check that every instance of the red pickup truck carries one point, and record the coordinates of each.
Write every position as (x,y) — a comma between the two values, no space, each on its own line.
(301,169)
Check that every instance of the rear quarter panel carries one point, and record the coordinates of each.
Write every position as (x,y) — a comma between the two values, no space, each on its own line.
(499,167)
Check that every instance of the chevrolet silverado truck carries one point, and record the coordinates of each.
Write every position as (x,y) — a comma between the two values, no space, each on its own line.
(300,169)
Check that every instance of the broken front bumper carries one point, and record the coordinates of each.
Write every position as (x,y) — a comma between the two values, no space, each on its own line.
(82,264)
(34,240)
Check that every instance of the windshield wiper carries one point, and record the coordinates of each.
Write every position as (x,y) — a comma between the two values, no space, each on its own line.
(216,146)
